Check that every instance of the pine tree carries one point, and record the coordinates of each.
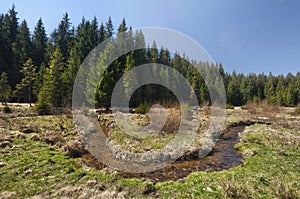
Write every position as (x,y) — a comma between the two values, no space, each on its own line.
(102,33)
(122,27)
(61,36)
(11,25)
(94,33)
(10,31)
(22,47)
(140,45)
(270,89)
(131,82)
(234,96)
(39,41)
(109,28)
(5,90)
(27,82)
(69,76)
(280,91)
(53,91)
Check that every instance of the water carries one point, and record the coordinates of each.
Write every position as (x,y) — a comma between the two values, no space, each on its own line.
(222,157)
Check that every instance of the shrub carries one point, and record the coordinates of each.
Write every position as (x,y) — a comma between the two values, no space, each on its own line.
(44,108)
(297,110)
(142,108)
(164,120)
(173,121)
(262,108)
(6,109)
(74,149)
(229,106)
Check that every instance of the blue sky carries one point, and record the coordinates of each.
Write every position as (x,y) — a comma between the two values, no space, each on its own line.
(246,36)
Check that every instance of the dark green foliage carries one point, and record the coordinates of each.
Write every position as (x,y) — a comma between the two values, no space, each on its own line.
(25,87)
(6,109)
(39,42)
(5,90)
(57,60)
(229,106)
(142,108)
(43,108)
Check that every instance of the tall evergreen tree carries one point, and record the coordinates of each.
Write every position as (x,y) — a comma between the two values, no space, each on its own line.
(5,90)
(270,89)
(39,41)
(22,47)
(102,33)
(10,31)
(109,28)
(129,83)
(27,83)
(53,90)
(11,25)
(61,36)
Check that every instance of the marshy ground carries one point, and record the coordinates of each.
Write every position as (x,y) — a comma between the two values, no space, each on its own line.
(257,156)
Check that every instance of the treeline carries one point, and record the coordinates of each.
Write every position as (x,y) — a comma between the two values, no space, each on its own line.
(35,67)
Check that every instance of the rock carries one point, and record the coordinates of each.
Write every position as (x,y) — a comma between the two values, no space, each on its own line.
(7,194)
(208,189)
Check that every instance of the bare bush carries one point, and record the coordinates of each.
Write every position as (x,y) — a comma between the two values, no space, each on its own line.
(53,138)
(173,121)
(74,149)
(262,108)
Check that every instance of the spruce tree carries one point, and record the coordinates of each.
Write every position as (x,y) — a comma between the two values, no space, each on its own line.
(22,47)
(61,36)
(53,91)
(109,28)
(25,87)
(39,41)
(5,89)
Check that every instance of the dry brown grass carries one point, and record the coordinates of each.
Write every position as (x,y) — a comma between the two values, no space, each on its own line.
(263,109)
(173,121)
(164,120)
(5,140)
(53,138)
(90,160)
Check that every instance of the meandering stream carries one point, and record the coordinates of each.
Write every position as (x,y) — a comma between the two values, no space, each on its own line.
(223,156)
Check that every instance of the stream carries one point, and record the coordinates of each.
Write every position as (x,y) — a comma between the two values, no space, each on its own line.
(223,156)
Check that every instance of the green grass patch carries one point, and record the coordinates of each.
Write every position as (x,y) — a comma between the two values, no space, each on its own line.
(271,167)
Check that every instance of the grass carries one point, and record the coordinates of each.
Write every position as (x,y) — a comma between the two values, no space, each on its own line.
(271,167)
(273,171)
(32,167)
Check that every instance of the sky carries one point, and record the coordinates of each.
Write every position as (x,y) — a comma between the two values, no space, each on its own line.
(249,36)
